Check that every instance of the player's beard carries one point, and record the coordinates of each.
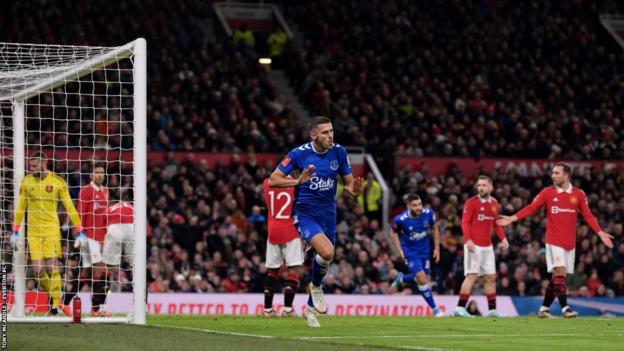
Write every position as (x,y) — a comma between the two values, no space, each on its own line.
(484,195)
(414,214)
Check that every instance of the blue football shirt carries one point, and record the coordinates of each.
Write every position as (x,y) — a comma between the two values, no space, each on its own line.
(414,231)
(317,197)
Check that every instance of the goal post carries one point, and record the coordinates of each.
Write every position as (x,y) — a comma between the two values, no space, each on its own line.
(79,106)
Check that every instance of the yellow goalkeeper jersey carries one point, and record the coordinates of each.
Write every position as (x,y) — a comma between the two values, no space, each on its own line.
(41,197)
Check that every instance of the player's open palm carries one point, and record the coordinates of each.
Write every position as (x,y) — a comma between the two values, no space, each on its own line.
(606,238)
(504,221)
(358,183)
(306,175)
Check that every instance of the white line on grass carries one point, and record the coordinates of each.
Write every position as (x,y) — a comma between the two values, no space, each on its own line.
(423,348)
(424,336)
(210,331)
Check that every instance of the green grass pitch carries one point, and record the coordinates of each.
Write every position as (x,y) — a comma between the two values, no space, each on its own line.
(337,333)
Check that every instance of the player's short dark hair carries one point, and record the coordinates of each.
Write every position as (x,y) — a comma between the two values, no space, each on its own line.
(566,167)
(98,164)
(484,177)
(410,197)
(315,121)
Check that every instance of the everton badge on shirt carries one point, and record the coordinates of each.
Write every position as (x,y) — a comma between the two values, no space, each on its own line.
(333,165)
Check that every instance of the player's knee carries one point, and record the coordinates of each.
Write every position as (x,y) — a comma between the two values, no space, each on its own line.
(326,255)
(490,278)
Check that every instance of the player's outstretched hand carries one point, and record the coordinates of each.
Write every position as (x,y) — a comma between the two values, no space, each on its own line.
(15,244)
(356,189)
(81,240)
(306,175)
(504,221)
(606,238)
(436,255)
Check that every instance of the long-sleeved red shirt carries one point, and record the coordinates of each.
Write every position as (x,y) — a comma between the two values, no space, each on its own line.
(562,208)
(92,205)
(478,219)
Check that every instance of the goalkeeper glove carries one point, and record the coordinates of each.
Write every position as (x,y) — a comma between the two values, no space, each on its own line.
(15,241)
(81,240)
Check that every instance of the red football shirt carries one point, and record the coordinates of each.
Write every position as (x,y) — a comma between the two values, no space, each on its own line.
(562,208)
(279,203)
(478,220)
(121,212)
(92,205)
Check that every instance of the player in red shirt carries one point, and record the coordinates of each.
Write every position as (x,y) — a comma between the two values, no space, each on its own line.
(92,205)
(283,245)
(480,212)
(563,202)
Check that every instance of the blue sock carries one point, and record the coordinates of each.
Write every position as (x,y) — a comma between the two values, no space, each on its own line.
(425,291)
(319,269)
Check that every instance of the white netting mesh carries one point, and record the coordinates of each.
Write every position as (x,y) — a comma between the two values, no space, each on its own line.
(78,111)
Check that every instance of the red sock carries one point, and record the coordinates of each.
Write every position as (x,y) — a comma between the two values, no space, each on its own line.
(491,298)
(463,300)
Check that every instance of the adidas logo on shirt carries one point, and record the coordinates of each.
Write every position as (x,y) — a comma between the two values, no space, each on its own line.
(555,200)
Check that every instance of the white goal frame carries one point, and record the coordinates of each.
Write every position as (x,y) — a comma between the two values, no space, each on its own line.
(138,50)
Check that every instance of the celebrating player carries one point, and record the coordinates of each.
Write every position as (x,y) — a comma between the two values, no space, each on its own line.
(92,206)
(284,245)
(563,203)
(480,212)
(320,162)
(410,236)
(40,192)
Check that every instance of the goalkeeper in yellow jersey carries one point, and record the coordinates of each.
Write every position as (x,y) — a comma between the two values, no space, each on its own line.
(40,193)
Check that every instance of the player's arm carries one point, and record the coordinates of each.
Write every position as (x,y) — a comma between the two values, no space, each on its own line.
(352,186)
(83,204)
(466,224)
(20,212)
(501,234)
(591,220)
(394,238)
(526,211)
(436,242)
(279,179)
(69,206)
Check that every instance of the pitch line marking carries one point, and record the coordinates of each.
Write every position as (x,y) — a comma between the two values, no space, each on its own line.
(456,336)
(210,331)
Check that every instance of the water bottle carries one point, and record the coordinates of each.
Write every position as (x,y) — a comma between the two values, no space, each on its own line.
(77,309)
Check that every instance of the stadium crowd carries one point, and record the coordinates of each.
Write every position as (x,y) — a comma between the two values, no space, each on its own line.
(537,79)
(204,93)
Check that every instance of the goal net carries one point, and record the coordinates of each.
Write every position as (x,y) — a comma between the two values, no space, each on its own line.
(84,110)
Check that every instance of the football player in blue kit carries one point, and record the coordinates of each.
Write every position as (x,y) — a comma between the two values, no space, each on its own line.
(320,162)
(410,235)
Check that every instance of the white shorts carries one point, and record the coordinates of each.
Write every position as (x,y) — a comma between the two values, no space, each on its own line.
(119,238)
(291,252)
(559,257)
(479,262)
(90,253)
